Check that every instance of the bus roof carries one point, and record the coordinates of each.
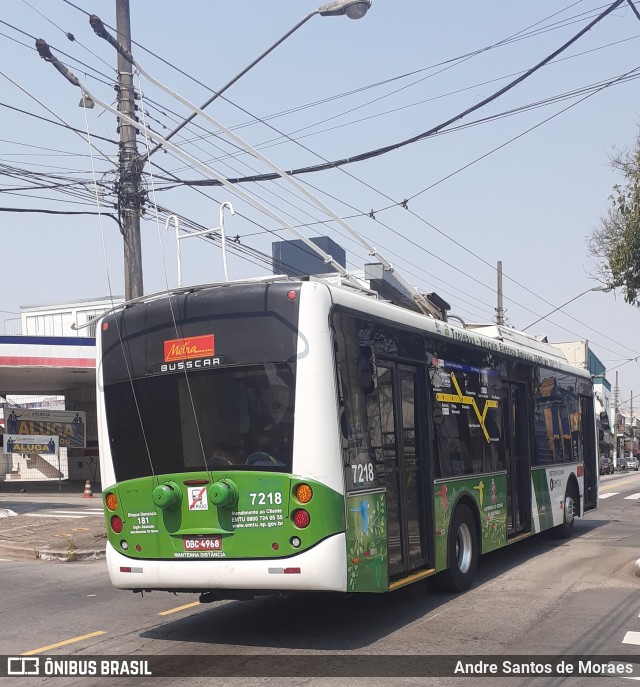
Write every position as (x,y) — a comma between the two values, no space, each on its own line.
(489,336)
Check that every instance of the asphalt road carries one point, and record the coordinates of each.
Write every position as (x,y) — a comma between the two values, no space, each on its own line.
(51,503)
(538,597)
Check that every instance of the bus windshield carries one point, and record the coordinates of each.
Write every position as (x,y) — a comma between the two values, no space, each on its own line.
(238,418)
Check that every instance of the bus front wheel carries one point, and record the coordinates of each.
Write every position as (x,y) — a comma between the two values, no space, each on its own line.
(462,550)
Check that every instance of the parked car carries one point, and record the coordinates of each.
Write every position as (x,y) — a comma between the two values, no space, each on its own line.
(606,466)
(632,463)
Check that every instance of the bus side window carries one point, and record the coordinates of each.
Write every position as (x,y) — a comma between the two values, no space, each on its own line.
(366,370)
(344,425)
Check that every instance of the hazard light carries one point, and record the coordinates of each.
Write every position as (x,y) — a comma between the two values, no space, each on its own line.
(111,500)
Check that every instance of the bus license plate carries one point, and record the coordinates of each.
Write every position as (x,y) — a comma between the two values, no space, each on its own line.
(210,542)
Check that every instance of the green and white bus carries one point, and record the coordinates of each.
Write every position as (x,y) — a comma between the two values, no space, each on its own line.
(277,435)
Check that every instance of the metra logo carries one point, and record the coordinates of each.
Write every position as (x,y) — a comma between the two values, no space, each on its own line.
(186,349)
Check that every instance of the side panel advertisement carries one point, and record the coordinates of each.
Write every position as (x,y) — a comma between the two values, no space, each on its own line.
(490,495)
(549,486)
(367,563)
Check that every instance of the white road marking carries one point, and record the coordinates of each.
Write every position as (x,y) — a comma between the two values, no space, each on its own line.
(606,496)
(632,638)
(51,515)
(76,511)
(633,497)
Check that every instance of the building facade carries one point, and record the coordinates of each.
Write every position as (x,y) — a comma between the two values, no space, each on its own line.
(47,364)
(580,354)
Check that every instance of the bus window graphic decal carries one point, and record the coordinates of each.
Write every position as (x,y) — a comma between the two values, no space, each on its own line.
(460,399)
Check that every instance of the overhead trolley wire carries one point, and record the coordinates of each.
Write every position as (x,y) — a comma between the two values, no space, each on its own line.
(532,70)
(51,121)
(383,150)
(273,142)
(501,91)
(70,3)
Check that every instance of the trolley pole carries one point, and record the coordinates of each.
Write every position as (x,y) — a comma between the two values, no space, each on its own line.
(128,188)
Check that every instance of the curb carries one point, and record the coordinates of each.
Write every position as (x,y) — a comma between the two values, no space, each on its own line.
(44,554)
(72,556)
(17,551)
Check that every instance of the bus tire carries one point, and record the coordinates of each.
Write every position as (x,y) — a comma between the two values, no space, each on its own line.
(564,530)
(462,550)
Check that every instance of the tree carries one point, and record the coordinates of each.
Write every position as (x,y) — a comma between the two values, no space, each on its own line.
(615,243)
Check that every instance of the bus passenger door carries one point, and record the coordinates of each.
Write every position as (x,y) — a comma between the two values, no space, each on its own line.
(516,447)
(403,452)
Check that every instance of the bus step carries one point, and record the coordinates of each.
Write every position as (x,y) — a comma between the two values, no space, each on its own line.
(511,539)
(412,577)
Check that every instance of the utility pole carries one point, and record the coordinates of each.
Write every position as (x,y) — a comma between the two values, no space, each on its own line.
(130,164)
(615,423)
(500,308)
(632,431)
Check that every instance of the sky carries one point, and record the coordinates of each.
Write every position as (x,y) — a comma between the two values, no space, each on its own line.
(523,179)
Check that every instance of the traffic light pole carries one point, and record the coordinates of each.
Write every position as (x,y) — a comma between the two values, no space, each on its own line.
(129,190)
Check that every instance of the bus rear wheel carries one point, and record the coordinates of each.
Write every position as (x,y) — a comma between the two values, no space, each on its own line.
(462,550)
(564,530)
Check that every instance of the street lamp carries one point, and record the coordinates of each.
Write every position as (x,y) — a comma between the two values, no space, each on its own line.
(354,9)
(606,289)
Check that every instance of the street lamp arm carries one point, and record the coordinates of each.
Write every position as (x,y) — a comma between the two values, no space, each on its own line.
(238,76)
(544,317)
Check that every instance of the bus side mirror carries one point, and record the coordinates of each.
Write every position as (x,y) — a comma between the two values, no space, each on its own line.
(366,370)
